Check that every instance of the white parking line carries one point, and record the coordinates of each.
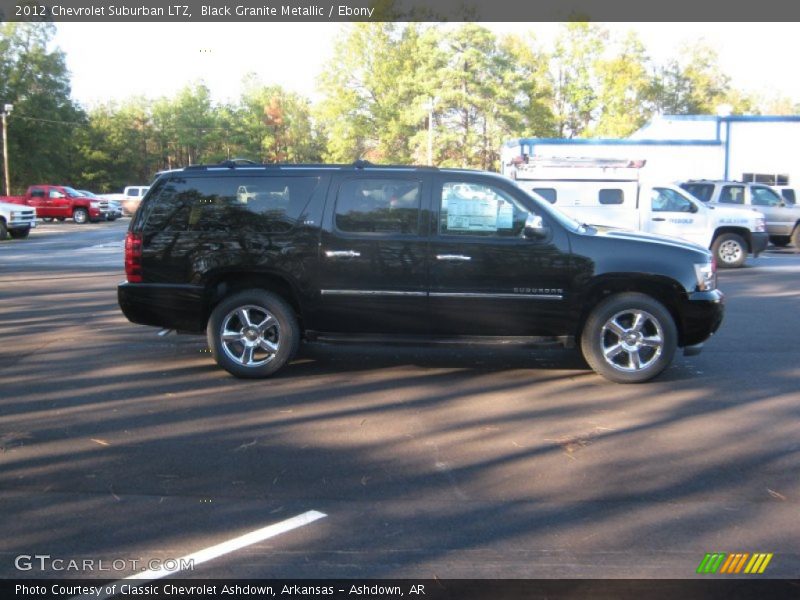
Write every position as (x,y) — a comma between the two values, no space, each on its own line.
(213,552)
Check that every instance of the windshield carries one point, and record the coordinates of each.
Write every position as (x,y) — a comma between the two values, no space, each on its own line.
(86,194)
(551,210)
(71,193)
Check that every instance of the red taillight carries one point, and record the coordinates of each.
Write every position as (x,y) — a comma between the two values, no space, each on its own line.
(133,257)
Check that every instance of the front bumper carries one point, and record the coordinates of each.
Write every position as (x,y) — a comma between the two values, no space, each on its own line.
(701,316)
(759,241)
(21,224)
(180,307)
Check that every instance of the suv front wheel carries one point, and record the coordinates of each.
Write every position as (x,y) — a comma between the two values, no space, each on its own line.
(253,333)
(629,338)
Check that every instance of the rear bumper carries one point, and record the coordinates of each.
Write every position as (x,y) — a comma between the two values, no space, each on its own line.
(180,307)
(759,240)
(702,316)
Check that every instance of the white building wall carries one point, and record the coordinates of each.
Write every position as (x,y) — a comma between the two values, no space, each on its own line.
(666,128)
(764,147)
(693,147)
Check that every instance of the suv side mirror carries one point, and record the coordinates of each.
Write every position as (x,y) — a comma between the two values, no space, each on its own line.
(693,208)
(535,229)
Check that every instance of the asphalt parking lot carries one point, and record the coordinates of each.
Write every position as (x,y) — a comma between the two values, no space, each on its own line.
(384,462)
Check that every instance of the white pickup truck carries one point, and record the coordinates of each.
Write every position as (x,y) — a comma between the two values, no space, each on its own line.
(608,193)
(16,220)
(130,197)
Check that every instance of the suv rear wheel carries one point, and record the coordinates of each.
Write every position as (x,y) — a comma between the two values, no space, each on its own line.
(253,333)
(730,250)
(629,338)
(796,238)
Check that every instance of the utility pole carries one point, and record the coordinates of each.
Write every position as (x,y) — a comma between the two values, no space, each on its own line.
(430,133)
(6,111)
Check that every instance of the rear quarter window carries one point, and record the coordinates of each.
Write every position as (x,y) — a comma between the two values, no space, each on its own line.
(236,204)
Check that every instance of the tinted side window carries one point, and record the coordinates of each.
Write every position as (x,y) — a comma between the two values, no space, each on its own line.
(701,191)
(732,194)
(764,197)
(378,206)
(548,194)
(37,193)
(788,195)
(483,210)
(611,196)
(254,204)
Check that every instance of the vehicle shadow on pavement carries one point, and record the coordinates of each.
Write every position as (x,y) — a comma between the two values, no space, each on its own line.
(430,461)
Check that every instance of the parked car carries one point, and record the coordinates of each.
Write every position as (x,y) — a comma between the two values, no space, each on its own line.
(783,219)
(260,257)
(114,211)
(16,221)
(61,202)
(130,198)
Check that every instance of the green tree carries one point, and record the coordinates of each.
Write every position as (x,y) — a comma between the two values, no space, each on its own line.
(376,90)
(275,125)
(624,91)
(42,139)
(577,51)
(696,84)
(476,97)
(531,112)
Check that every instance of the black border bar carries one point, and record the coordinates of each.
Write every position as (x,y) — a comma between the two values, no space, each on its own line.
(398,10)
(426,589)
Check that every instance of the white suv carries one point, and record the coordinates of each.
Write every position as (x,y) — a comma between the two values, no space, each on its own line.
(783,218)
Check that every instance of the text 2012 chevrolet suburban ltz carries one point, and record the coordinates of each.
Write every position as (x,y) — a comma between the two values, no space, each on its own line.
(259,257)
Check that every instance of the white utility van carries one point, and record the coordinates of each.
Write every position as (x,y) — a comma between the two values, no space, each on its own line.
(608,193)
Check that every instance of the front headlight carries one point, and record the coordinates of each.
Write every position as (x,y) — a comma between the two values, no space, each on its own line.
(15,215)
(94,204)
(706,274)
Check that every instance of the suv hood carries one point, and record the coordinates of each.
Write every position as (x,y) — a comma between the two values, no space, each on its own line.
(651,238)
(15,206)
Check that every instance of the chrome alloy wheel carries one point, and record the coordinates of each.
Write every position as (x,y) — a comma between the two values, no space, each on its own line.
(730,252)
(632,340)
(250,335)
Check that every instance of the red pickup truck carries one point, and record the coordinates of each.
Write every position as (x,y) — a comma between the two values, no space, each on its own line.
(61,202)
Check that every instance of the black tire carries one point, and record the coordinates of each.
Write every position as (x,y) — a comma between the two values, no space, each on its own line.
(3,230)
(730,250)
(796,238)
(80,216)
(47,219)
(263,324)
(626,328)
(61,219)
(780,241)
(20,234)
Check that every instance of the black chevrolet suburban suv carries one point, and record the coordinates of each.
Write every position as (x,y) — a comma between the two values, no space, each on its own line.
(260,256)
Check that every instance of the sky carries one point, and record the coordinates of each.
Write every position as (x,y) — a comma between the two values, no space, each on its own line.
(114,61)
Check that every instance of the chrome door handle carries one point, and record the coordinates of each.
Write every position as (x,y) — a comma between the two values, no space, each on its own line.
(342,254)
(453,257)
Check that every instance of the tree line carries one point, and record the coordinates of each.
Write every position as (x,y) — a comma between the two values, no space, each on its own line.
(390,93)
